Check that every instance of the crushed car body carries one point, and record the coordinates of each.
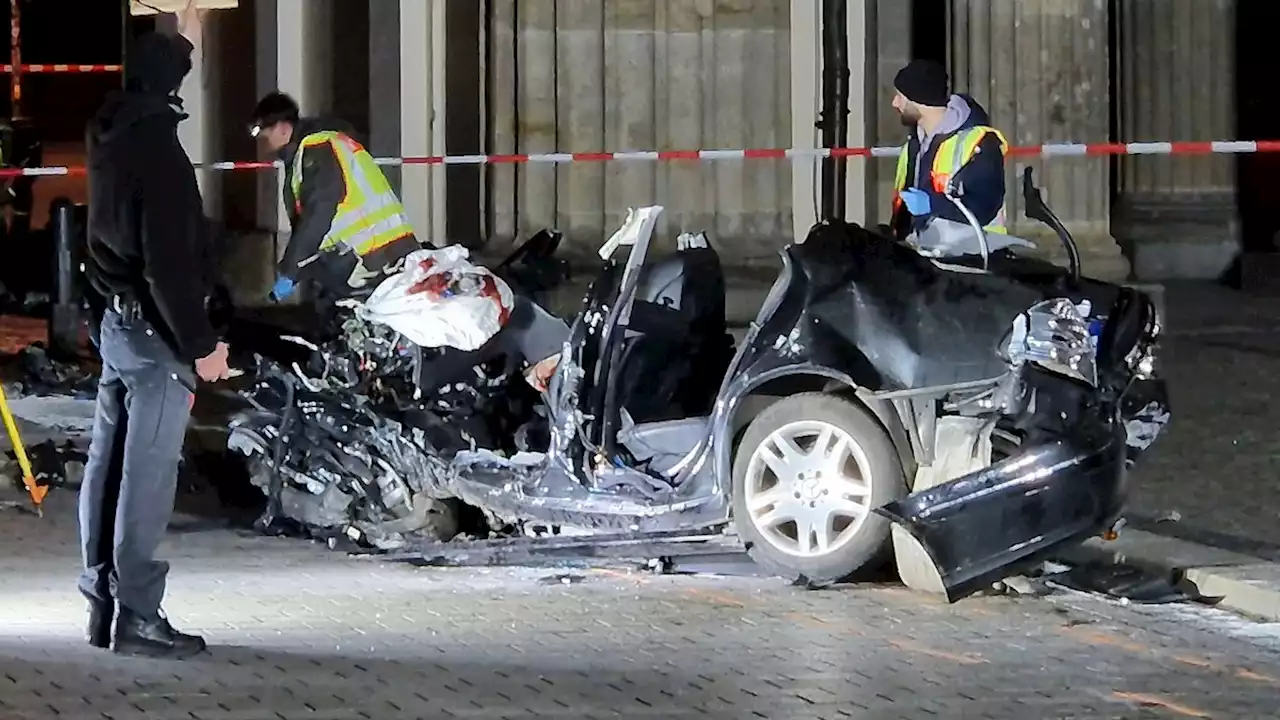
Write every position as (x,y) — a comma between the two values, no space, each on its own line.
(973,410)
(353,435)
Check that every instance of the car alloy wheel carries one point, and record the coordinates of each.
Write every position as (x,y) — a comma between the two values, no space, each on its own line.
(808,489)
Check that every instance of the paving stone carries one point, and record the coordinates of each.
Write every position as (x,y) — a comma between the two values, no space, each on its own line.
(300,632)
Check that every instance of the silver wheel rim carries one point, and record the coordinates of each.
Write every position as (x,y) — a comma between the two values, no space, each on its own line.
(808,488)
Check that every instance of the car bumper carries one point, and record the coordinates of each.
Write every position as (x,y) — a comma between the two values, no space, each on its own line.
(980,528)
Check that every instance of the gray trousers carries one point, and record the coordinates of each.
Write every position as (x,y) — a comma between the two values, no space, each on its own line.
(144,402)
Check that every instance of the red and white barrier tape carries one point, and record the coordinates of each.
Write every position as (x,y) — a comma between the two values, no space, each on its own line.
(1228,147)
(61,68)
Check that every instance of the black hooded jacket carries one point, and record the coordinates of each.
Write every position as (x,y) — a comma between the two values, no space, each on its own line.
(148,238)
(982,177)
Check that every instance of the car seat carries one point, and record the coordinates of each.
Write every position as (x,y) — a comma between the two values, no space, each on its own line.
(677,346)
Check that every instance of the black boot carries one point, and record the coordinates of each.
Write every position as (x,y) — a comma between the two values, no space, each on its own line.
(98,633)
(153,637)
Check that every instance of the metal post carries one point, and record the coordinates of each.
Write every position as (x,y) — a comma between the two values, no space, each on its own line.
(840,36)
(15,57)
(124,41)
(826,118)
(64,318)
(834,122)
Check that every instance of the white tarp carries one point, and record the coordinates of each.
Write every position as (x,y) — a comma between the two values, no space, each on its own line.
(441,299)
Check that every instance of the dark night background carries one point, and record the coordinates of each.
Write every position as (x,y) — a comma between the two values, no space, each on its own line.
(66,31)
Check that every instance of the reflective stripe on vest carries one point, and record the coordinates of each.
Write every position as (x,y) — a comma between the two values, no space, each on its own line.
(370,216)
(953,154)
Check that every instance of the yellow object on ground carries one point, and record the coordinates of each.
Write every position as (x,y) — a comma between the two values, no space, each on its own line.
(37,492)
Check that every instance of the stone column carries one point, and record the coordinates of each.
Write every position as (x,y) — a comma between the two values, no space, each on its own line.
(806,108)
(462,77)
(266,60)
(1178,215)
(890,47)
(384,83)
(197,132)
(303,65)
(1041,68)
(422,106)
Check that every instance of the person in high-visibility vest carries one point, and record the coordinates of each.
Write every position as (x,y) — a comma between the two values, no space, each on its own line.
(348,226)
(951,145)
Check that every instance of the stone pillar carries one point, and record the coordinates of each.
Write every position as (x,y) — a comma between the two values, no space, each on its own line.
(463,77)
(303,65)
(1041,68)
(806,109)
(422,113)
(1177,215)
(266,60)
(197,132)
(384,84)
(891,51)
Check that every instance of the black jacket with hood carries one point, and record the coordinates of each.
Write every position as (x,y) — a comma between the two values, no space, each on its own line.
(982,177)
(148,238)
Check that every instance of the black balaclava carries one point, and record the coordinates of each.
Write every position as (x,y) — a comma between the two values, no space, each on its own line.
(157,65)
(923,82)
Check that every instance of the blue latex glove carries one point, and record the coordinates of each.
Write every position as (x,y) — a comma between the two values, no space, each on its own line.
(283,288)
(917,201)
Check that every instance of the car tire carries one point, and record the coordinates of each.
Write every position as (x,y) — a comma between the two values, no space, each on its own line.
(884,480)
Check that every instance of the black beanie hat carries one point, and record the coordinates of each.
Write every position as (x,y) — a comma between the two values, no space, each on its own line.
(923,82)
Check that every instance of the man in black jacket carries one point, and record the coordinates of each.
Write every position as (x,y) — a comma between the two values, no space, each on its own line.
(149,257)
(951,146)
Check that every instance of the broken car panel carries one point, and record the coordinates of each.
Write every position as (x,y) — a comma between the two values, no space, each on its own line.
(353,435)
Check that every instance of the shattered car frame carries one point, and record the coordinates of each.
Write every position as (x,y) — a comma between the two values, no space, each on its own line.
(863,349)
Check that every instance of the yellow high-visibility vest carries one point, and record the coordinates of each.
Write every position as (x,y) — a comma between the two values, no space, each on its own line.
(370,216)
(954,153)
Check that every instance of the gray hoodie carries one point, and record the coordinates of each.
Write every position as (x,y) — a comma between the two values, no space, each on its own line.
(958,113)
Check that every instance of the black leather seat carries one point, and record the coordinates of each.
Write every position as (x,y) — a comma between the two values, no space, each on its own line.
(678,348)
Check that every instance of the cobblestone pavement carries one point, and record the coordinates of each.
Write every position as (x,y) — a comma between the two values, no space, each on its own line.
(299,632)
(1218,465)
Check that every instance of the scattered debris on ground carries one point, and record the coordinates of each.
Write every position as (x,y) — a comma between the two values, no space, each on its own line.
(1127,583)
(53,465)
(1124,582)
(35,373)
(563,579)
(41,375)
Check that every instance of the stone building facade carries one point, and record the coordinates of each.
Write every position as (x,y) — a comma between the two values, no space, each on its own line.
(467,77)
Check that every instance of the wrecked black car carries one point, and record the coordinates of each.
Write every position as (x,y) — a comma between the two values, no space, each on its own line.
(969,407)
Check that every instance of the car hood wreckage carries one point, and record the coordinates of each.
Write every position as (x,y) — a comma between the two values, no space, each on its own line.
(973,408)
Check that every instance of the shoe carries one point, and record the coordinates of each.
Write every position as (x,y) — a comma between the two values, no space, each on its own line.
(98,632)
(137,636)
